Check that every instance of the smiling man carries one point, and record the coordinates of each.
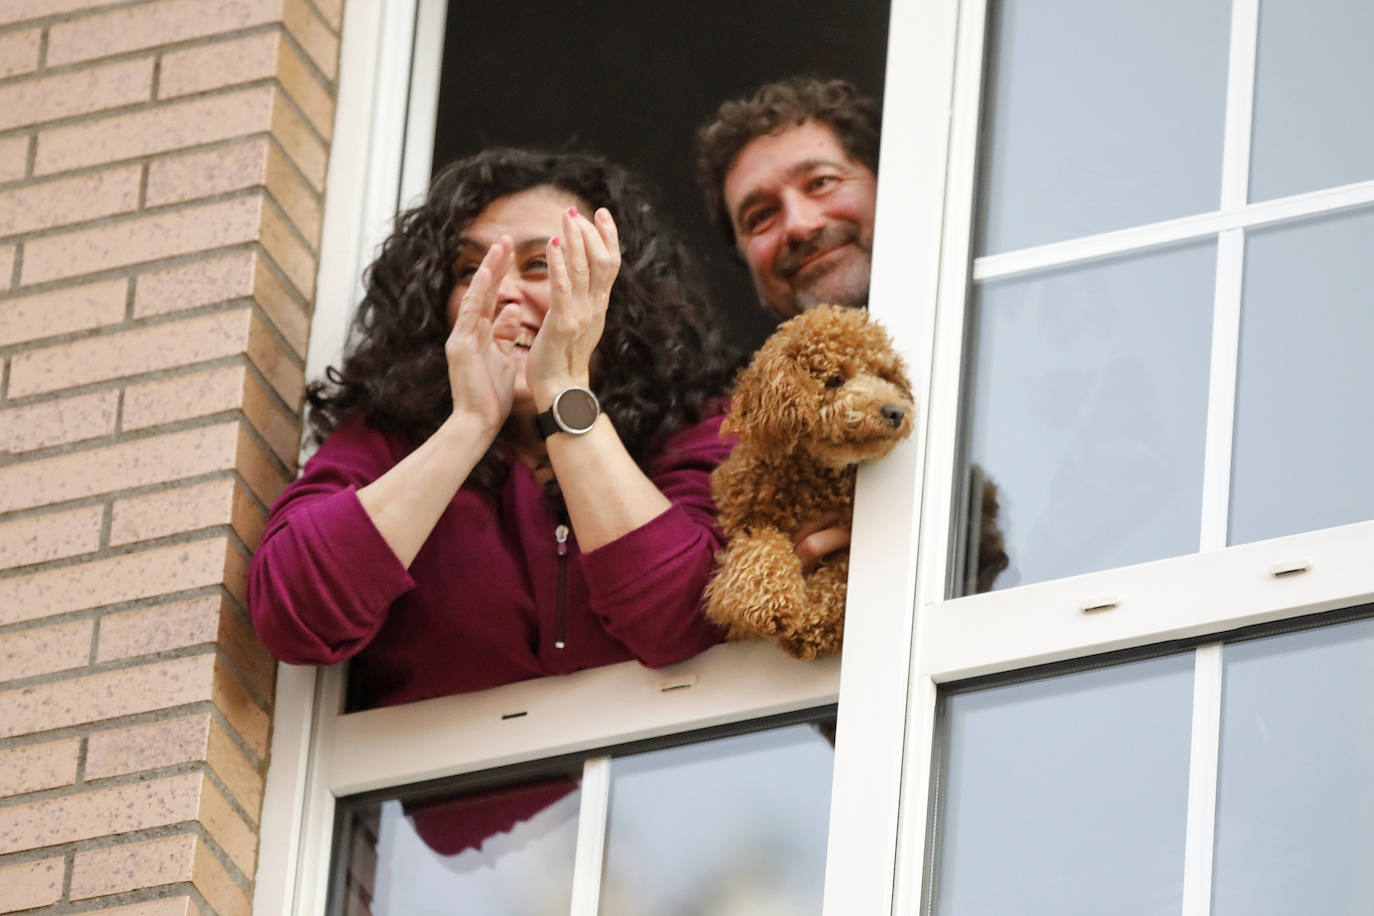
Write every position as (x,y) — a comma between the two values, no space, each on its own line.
(789,175)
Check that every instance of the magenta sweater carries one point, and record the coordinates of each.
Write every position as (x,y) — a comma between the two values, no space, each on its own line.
(479,605)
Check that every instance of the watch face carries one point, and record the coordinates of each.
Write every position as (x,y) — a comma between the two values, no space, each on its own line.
(576,409)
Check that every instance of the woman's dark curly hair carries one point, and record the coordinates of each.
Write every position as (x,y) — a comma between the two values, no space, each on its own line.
(659,362)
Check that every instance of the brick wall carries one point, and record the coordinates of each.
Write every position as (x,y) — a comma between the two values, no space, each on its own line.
(161,170)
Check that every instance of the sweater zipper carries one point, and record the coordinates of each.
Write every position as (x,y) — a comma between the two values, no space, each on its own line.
(560,535)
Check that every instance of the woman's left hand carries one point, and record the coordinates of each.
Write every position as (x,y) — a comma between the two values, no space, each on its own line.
(583,264)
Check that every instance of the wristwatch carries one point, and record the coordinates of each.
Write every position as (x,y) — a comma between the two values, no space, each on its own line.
(574,411)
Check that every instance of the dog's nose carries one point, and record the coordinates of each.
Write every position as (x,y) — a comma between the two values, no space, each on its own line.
(893,414)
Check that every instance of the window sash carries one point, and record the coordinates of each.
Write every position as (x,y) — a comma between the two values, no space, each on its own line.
(1193,596)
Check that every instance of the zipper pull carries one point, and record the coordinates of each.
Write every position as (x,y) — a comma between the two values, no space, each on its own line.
(560,534)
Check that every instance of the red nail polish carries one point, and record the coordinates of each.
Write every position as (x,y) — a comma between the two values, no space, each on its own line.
(554,241)
(572,211)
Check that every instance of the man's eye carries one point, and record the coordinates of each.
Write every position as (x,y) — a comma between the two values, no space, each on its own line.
(755,220)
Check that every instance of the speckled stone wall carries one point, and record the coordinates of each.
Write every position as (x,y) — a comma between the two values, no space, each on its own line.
(162,167)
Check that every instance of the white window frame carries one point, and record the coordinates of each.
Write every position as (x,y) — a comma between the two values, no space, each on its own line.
(388,79)
(895,660)
(1192,597)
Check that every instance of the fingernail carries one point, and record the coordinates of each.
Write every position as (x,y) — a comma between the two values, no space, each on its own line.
(554,241)
(572,211)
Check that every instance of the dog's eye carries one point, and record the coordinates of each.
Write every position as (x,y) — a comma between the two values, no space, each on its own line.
(834,381)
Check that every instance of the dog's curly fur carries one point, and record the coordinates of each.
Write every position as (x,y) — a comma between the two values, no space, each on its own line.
(825,392)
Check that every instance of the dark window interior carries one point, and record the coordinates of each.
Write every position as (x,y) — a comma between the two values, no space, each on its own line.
(633,80)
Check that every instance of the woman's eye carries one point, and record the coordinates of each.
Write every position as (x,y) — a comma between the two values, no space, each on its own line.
(536,265)
(464,272)
(819,182)
(834,381)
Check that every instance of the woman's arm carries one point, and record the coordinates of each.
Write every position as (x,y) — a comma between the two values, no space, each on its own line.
(607,494)
(405,503)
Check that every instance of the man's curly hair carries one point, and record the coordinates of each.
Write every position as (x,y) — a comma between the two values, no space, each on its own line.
(854,118)
(659,363)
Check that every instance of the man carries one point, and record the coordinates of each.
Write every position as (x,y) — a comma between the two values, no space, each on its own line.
(789,176)
(790,179)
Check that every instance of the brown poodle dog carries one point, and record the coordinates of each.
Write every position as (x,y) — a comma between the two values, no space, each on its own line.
(825,392)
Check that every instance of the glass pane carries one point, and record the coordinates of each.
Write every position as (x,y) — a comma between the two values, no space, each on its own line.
(1312,122)
(1101,116)
(1304,432)
(507,852)
(1068,795)
(1089,410)
(736,825)
(1295,804)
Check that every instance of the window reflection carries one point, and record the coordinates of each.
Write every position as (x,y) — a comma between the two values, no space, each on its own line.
(1067,796)
(1294,801)
(1088,410)
(506,852)
(1305,386)
(723,828)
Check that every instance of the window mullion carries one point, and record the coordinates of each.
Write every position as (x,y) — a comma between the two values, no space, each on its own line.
(1202,781)
(591,836)
(1235,178)
(1221,396)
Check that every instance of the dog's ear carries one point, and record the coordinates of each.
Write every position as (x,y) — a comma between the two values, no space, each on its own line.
(766,407)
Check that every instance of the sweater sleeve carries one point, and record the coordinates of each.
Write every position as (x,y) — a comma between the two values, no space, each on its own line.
(647,585)
(322,578)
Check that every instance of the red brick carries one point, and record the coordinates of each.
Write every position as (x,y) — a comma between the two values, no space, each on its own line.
(311,97)
(313,34)
(86,416)
(19,52)
(277,365)
(53,536)
(188,286)
(109,468)
(112,580)
(29,653)
(36,767)
(52,98)
(190,176)
(23,10)
(133,866)
(105,812)
(183,396)
(155,130)
(31,884)
(157,629)
(285,311)
(301,145)
(75,308)
(126,692)
(215,66)
(146,349)
(64,201)
(180,624)
(14,158)
(175,511)
(142,239)
(149,25)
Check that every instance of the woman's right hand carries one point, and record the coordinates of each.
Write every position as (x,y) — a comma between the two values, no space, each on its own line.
(481,367)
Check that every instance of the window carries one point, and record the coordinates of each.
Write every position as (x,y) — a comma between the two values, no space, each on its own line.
(1156,349)
(1145,338)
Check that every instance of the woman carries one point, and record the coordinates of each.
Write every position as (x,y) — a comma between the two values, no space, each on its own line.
(438,538)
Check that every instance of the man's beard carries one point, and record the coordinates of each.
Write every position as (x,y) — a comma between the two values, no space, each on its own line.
(845,283)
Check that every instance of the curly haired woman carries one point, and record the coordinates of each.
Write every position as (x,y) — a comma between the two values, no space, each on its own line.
(473,516)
